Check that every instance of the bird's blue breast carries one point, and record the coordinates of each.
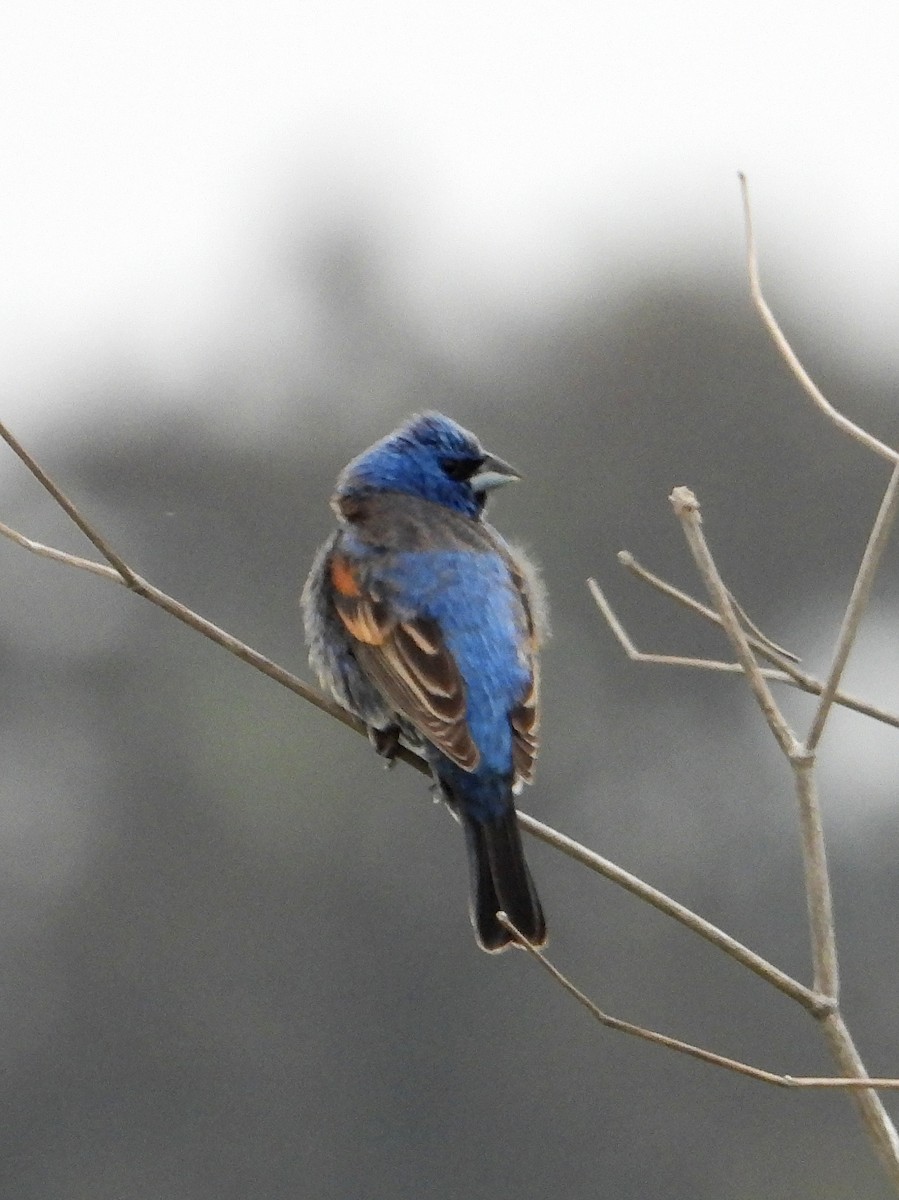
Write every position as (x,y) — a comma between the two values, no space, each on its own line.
(471,597)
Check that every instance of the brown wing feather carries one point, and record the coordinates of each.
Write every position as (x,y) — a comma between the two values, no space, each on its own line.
(525,719)
(409,663)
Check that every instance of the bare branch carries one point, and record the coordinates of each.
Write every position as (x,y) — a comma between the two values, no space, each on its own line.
(786,350)
(759,641)
(763,645)
(875,1118)
(817,883)
(124,576)
(814,1002)
(793,676)
(858,602)
(66,505)
(680,1047)
(667,660)
(686,508)
(763,640)
(61,556)
(817,878)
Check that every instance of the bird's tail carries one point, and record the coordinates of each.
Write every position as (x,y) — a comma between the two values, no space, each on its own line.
(500,881)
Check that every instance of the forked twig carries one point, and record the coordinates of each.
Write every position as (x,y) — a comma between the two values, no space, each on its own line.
(61,556)
(680,1047)
(786,350)
(855,610)
(67,506)
(802,757)
(120,573)
(686,509)
(817,878)
(762,638)
(665,660)
(792,675)
(813,1001)
(747,642)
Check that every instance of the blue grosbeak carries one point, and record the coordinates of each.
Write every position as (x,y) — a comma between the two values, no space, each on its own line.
(422,621)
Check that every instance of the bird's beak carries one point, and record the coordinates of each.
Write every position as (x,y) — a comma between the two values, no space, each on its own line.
(492,473)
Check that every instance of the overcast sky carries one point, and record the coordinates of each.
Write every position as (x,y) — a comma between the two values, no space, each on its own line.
(148,151)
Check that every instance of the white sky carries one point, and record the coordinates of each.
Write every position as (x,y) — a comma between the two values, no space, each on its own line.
(148,150)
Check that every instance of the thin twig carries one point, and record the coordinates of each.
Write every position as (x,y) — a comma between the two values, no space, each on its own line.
(796,677)
(61,556)
(752,628)
(667,660)
(66,505)
(809,999)
(134,583)
(686,509)
(661,1039)
(786,350)
(872,1111)
(764,646)
(823,936)
(855,610)
(817,878)
(875,1118)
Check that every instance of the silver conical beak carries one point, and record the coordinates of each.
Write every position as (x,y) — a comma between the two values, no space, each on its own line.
(492,473)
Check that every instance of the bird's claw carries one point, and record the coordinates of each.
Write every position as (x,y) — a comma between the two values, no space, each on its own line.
(386,742)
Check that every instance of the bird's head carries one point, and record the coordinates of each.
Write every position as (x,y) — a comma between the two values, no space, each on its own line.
(432,458)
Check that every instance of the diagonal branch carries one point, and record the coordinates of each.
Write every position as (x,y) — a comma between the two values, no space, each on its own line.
(667,660)
(817,878)
(764,648)
(67,506)
(855,610)
(787,352)
(875,1118)
(686,509)
(124,576)
(680,1047)
(814,1002)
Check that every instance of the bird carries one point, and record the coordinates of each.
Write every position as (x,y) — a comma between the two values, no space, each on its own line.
(423,622)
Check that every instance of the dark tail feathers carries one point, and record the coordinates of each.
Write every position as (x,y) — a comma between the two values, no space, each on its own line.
(501,882)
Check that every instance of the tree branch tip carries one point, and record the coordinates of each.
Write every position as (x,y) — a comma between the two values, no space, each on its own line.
(507,925)
(596,592)
(684,502)
(517,936)
(747,208)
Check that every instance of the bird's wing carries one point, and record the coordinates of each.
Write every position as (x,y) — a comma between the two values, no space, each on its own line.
(525,719)
(525,716)
(408,661)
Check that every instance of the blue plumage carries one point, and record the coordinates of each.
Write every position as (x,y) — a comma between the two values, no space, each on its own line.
(423,621)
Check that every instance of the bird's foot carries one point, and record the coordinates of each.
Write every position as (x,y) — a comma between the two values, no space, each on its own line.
(386,742)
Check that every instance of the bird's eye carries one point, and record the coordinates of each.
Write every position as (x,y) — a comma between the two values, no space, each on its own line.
(460,469)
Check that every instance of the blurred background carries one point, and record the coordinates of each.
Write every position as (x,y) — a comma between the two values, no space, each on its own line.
(239,243)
